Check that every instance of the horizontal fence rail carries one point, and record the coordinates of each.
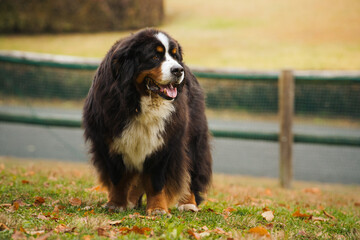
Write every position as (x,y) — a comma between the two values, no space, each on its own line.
(298,138)
(215,98)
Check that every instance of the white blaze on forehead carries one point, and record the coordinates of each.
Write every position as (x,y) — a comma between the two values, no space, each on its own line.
(164,40)
(169,61)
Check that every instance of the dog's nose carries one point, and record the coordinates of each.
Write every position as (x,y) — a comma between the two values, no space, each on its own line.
(177,71)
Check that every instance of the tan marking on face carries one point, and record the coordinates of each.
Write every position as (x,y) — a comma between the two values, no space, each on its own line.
(154,73)
(174,51)
(159,49)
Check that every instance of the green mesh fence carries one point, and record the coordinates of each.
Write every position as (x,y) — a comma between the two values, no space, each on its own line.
(323,95)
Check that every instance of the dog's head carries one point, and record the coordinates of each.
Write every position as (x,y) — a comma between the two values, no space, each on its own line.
(150,60)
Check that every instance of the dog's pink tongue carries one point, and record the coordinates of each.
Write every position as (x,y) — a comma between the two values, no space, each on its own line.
(171,91)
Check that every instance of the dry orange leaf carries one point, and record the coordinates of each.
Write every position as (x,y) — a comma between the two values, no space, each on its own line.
(259,231)
(313,190)
(61,228)
(45,236)
(22,230)
(268,192)
(39,201)
(301,215)
(3,227)
(193,234)
(75,201)
(268,215)
(357,204)
(103,232)
(25,182)
(87,237)
(97,188)
(15,206)
(229,209)
(329,215)
(134,229)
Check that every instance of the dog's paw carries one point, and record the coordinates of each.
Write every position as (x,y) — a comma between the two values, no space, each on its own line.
(114,207)
(157,212)
(188,207)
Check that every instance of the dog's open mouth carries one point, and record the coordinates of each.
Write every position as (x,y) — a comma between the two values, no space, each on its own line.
(168,92)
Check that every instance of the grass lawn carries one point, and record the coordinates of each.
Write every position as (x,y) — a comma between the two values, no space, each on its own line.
(53,200)
(258,34)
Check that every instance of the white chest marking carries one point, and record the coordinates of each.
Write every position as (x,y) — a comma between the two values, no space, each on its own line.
(143,135)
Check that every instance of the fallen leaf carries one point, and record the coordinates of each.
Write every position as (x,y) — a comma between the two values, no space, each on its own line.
(61,228)
(18,235)
(103,232)
(75,201)
(268,215)
(205,228)
(36,232)
(229,210)
(204,234)
(329,215)
(97,188)
(268,192)
(3,227)
(357,204)
(29,173)
(301,233)
(313,190)
(87,237)
(319,219)
(39,201)
(193,234)
(42,217)
(5,205)
(259,231)
(15,206)
(219,231)
(45,236)
(25,182)
(134,229)
(115,223)
(269,226)
(301,215)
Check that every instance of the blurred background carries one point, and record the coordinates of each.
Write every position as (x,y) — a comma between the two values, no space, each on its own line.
(49,51)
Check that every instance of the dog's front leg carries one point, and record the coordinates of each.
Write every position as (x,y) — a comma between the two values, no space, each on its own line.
(157,203)
(118,193)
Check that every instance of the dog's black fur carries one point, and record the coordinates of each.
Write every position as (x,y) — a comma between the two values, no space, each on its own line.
(114,100)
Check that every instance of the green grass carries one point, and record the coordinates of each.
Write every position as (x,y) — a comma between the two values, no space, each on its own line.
(233,207)
(258,34)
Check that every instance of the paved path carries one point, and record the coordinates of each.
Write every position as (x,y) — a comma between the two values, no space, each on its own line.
(257,158)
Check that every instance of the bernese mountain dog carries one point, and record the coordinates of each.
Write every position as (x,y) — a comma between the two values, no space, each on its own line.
(144,118)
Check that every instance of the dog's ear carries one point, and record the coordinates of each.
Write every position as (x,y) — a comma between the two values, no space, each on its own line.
(180,52)
(123,65)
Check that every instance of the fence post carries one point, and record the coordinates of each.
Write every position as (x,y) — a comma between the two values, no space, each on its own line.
(286,112)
